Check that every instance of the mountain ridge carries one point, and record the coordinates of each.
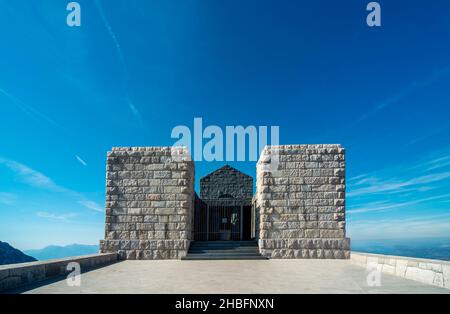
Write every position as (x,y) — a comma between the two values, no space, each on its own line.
(56,251)
(11,255)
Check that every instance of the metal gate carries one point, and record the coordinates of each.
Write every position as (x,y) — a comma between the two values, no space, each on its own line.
(218,220)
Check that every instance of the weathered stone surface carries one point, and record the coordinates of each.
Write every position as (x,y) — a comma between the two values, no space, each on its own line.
(431,272)
(226,182)
(16,275)
(418,274)
(300,199)
(446,275)
(149,202)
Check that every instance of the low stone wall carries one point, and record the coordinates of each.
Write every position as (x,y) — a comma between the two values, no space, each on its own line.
(149,202)
(17,275)
(432,272)
(300,199)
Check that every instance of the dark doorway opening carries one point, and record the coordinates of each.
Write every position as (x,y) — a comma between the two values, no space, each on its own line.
(222,220)
(223,212)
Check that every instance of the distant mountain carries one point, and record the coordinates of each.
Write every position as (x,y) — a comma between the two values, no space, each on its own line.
(10,255)
(54,251)
(431,248)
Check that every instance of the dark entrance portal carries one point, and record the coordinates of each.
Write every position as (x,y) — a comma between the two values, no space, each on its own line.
(224,211)
(222,221)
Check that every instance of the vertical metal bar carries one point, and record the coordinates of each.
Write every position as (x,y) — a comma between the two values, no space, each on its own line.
(242,221)
(253,221)
(238,222)
(235,227)
(207,222)
(237,210)
(204,222)
(217,226)
(216,209)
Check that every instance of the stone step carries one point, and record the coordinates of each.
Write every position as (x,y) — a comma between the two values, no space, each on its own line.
(230,251)
(223,243)
(223,250)
(223,253)
(223,257)
(222,247)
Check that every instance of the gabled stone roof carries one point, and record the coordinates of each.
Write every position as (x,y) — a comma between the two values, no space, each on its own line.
(226,182)
(225,169)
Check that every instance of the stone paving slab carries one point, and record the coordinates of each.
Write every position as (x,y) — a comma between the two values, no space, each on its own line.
(271,276)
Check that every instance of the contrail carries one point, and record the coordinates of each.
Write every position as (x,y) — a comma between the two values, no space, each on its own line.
(81,160)
(113,36)
(29,110)
(406,91)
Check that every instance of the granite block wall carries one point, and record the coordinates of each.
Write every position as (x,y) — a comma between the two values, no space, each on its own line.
(149,202)
(301,202)
(226,181)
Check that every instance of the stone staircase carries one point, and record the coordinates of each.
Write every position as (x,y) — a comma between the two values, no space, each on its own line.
(223,250)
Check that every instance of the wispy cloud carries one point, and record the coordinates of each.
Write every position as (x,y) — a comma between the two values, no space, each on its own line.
(91,205)
(358,177)
(413,227)
(52,216)
(37,179)
(7,198)
(31,176)
(376,185)
(408,90)
(420,187)
(436,163)
(383,206)
(136,113)
(362,180)
(429,134)
(81,160)
(32,112)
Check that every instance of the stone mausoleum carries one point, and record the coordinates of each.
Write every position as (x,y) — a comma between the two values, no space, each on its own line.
(298,210)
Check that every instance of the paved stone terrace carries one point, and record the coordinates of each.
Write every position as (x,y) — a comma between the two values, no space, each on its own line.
(292,276)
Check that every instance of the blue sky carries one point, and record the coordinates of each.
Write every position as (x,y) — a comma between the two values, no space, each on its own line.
(136,69)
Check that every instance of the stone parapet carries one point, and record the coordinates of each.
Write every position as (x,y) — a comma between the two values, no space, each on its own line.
(432,272)
(17,275)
